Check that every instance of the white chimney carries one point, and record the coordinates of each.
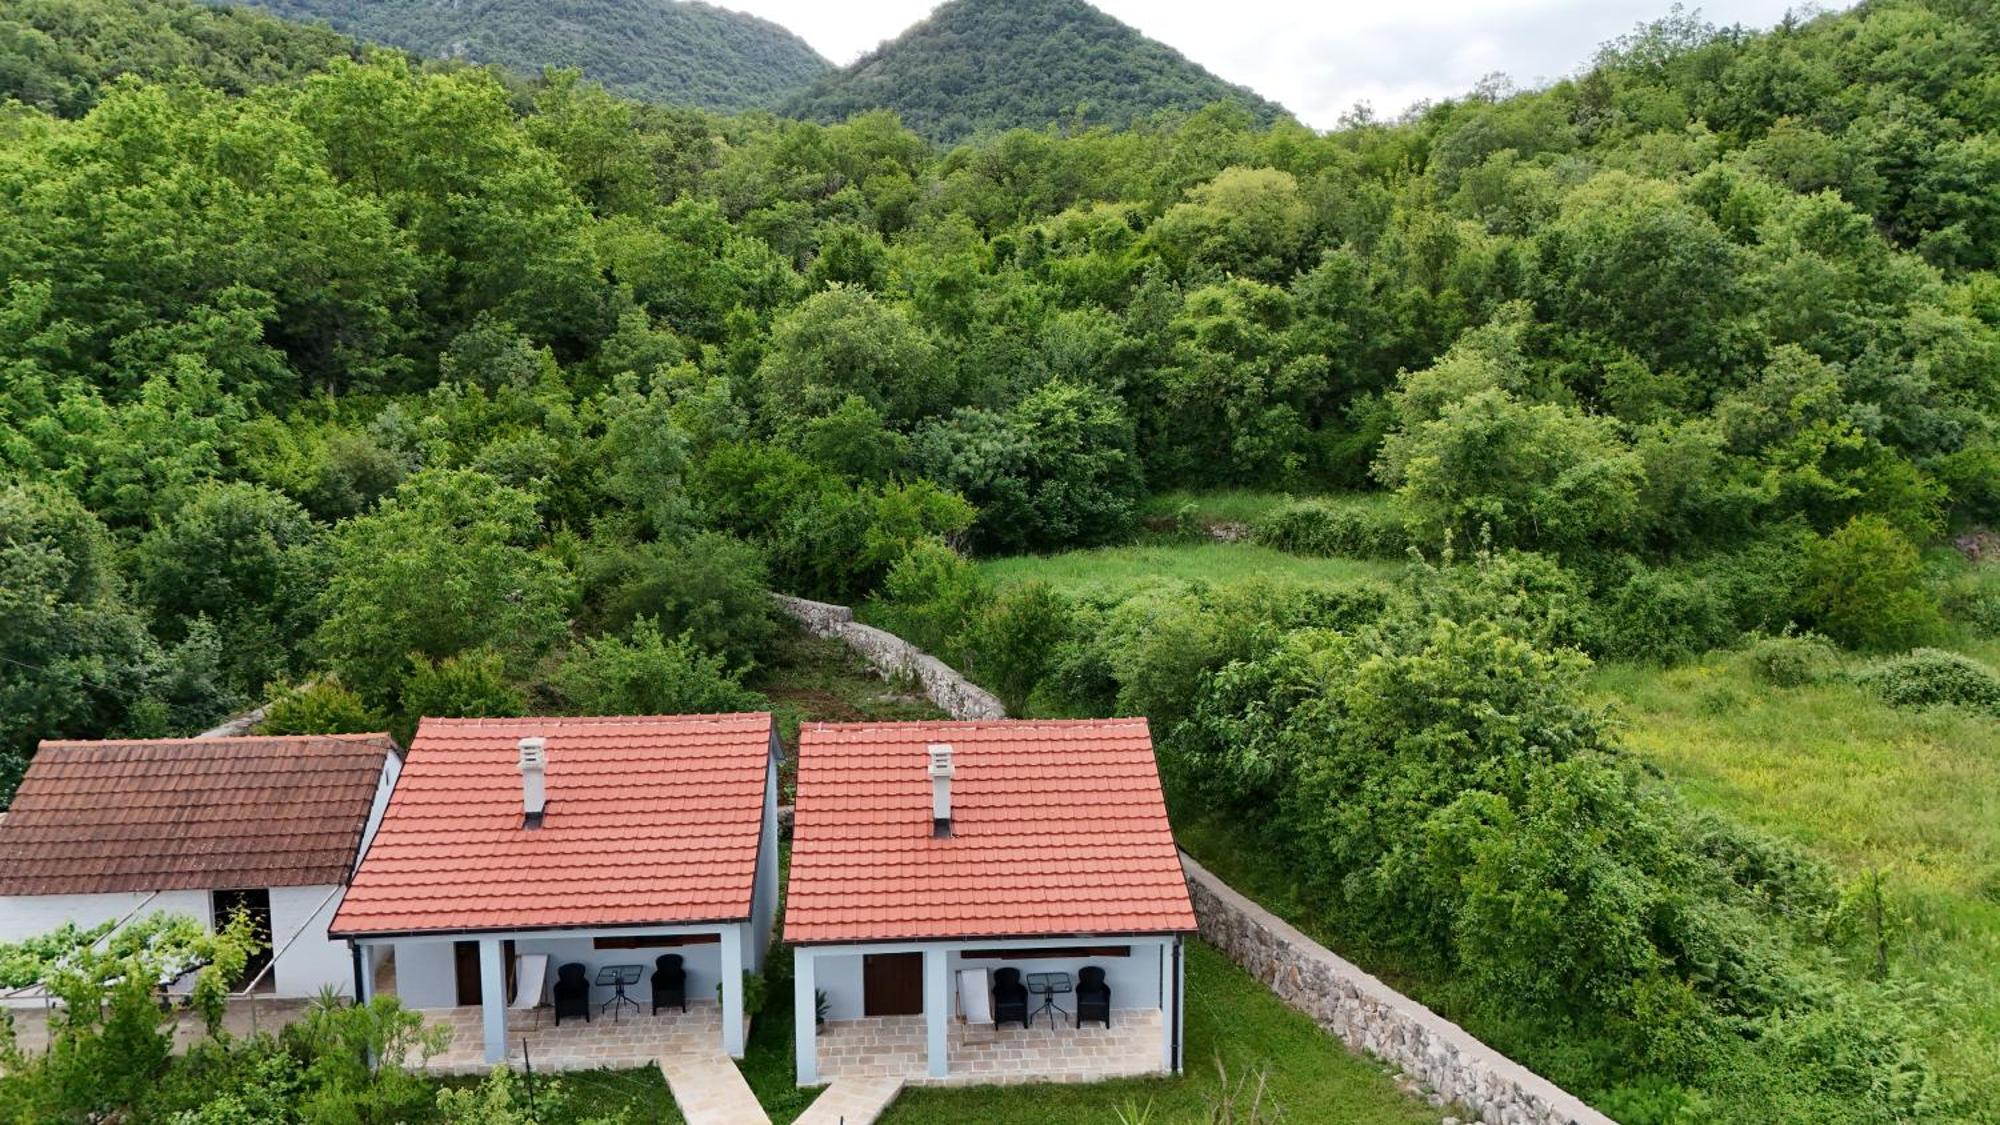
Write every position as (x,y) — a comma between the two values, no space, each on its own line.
(534,793)
(940,771)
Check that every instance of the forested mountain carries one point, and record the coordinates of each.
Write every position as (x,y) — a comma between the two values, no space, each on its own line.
(56,54)
(389,390)
(676,52)
(982,66)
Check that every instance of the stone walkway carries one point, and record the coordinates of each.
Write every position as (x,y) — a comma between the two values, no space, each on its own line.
(852,1101)
(895,1047)
(710,1090)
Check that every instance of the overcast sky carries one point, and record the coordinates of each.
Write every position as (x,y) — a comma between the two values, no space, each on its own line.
(1318,59)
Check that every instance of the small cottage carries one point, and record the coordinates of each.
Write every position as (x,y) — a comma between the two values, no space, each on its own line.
(114,831)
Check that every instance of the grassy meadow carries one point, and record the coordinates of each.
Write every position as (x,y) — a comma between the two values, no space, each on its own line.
(1911,795)
(1111,572)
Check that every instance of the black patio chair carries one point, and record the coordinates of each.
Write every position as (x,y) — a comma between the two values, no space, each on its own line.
(572,992)
(1010,997)
(1093,996)
(670,983)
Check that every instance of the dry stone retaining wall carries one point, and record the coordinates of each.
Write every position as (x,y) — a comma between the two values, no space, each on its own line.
(896,658)
(1369,1016)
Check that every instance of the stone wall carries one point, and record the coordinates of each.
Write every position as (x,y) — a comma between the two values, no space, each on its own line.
(1451,1066)
(896,658)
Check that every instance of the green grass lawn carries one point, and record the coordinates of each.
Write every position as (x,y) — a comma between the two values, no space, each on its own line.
(1914,795)
(1120,570)
(1311,1077)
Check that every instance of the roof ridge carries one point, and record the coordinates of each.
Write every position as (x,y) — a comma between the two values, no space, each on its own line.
(965,724)
(590,720)
(83,743)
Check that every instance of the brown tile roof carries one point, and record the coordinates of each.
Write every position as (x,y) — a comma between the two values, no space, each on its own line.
(190,814)
(649,820)
(1058,829)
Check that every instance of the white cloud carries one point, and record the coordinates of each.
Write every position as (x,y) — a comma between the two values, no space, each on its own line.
(1318,59)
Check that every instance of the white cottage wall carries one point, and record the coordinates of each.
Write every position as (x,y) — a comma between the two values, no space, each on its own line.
(310,962)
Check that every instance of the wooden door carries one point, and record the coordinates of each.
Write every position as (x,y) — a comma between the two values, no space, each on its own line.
(892,984)
(465,966)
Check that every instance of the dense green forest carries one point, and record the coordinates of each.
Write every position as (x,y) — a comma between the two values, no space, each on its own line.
(982,66)
(676,52)
(387,390)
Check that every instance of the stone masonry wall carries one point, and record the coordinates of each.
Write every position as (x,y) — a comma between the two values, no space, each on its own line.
(896,658)
(1369,1016)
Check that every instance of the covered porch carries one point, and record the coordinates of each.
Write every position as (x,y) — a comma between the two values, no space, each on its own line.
(498,990)
(921,1011)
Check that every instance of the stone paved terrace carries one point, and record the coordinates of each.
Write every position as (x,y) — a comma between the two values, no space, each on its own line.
(894,1047)
(627,1042)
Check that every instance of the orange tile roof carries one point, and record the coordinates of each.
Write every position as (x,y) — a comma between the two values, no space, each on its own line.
(190,814)
(649,820)
(1058,829)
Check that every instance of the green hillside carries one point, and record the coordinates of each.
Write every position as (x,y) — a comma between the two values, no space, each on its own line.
(674,51)
(56,54)
(988,65)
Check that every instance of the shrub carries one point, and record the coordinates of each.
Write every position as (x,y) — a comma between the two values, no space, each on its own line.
(1794,660)
(1865,587)
(711,586)
(932,598)
(1662,614)
(1359,528)
(323,706)
(650,674)
(1928,677)
(472,685)
(1017,640)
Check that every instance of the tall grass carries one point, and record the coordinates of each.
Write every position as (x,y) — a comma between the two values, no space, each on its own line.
(1114,571)
(1911,798)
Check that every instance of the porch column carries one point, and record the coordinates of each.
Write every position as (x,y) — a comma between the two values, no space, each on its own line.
(1169,1003)
(1180,1003)
(732,991)
(364,973)
(937,1010)
(805,1016)
(493,999)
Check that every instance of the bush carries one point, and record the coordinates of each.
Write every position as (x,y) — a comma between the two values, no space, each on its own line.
(1796,660)
(1662,614)
(932,598)
(1865,587)
(711,586)
(650,674)
(324,706)
(1017,642)
(1358,528)
(472,685)
(1928,677)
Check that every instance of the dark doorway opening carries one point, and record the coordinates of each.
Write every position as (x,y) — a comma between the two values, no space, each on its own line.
(223,906)
(892,984)
(465,966)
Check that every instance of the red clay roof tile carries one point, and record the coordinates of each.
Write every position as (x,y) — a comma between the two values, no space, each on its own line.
(190,814)
(649,820)
(1058,829)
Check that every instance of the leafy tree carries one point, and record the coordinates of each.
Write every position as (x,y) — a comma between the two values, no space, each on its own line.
(1060,469)
(844,342)
(648,673)
(445,565)
(1248,221)
(1537,475)
(323,706)
(74,655)
(1865,587)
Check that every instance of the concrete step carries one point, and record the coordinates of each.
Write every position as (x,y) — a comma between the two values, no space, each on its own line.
(852,1101)
(710,1090)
